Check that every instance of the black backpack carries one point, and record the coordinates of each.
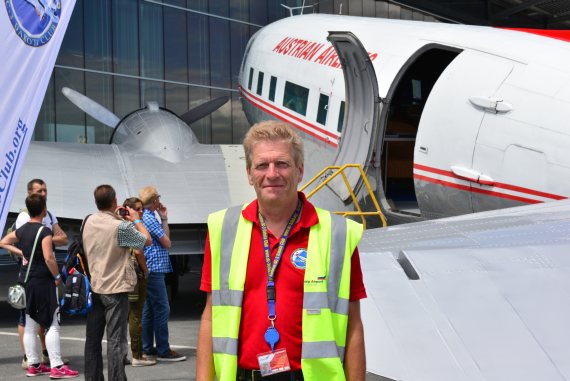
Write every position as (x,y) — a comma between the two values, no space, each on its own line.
(76,299)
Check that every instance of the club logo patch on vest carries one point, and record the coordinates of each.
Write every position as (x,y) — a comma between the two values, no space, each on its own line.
(299,258)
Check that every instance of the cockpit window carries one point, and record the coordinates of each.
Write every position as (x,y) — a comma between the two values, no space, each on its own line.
(323,109)
(295,98)
(260,83)
(250,81)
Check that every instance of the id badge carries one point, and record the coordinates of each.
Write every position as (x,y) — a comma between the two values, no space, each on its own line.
(273,362)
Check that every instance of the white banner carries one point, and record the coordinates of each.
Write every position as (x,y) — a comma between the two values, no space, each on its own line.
(31,32)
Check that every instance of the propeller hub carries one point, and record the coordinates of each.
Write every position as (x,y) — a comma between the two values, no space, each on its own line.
(155,131)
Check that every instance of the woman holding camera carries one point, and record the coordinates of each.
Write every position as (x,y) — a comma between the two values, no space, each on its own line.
(138,296)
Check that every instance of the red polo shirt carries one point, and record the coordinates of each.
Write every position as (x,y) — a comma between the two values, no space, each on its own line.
(289,279)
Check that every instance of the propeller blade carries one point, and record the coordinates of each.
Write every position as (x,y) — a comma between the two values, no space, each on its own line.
(92,108)
(203,110)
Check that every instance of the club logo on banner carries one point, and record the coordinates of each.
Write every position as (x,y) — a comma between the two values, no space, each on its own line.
(34,21)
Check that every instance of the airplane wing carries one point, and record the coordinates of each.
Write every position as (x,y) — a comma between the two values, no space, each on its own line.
(209,178)
(478,297)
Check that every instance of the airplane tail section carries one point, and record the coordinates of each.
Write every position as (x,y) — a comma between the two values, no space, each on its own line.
(31,34)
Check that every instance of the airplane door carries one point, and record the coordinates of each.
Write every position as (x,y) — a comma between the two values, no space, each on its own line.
(523,141)
(448,129)
(362,105)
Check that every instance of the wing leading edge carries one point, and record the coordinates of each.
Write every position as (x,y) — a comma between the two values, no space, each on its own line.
(492,301)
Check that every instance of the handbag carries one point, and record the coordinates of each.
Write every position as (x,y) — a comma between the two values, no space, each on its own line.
(17,292)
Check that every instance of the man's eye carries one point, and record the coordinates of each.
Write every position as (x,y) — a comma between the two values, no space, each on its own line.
(261,166)
(282,164)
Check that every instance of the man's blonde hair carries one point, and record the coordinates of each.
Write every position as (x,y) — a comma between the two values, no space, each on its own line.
(147,195)
(273,131)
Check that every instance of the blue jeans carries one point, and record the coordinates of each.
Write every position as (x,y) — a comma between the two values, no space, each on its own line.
(155,316)
(111,311)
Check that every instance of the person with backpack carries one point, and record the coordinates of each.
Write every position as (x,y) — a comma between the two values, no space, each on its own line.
(38,186)
(107,240)
(40,276)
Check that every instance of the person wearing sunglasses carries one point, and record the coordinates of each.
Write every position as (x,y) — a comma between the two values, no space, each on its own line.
(138,296)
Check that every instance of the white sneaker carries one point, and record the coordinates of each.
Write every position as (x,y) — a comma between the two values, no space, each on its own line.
(24,363)
(142,362)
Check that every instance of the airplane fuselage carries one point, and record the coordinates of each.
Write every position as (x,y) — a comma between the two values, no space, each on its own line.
(446,119)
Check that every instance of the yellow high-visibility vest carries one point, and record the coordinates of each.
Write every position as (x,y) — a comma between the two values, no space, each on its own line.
(325,300)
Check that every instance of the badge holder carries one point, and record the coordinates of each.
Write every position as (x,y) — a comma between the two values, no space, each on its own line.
(275,361)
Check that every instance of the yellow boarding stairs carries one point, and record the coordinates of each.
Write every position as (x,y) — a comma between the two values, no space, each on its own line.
(338,170)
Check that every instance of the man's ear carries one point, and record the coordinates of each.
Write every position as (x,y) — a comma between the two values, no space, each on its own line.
(248,170)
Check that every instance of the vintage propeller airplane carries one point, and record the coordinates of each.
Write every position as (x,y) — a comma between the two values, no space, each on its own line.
(447,120)
(148,146)
(151,145)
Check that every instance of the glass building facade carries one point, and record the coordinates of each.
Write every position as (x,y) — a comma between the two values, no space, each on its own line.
(178,53)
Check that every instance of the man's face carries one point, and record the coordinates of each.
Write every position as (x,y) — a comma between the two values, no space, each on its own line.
(273,173)
(38,189)
(155,204)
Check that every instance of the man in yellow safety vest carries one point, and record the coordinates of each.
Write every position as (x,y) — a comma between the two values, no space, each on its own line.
(283,278)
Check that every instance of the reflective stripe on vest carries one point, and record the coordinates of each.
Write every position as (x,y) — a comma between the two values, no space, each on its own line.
(326,291)
(326,296)
(229,265)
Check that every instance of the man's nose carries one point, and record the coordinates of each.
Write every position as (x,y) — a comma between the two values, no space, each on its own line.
(272,170)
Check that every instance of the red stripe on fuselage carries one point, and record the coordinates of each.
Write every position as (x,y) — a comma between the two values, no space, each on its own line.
(477,190)
(484,191)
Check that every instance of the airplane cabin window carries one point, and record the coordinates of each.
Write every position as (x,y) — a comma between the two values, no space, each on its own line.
(272,87)
(416,90)
(295,98)
(323,108)
(250,81)
(260,83)
(341,116)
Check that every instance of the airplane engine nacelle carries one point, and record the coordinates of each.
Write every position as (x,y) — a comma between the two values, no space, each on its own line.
(156,131)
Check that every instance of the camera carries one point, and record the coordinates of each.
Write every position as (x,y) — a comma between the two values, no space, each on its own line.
(123,212)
